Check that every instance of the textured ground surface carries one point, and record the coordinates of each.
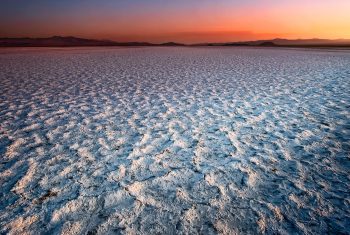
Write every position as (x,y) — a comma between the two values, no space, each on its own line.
(174,140)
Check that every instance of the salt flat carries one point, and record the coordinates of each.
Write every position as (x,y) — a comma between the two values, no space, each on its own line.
(174,141)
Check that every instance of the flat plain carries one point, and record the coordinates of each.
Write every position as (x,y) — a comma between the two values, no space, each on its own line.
(174,141)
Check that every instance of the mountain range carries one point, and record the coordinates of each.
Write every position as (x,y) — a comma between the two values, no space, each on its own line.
(59,41)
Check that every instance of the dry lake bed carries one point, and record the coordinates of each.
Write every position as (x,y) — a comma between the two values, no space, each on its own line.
(174,141)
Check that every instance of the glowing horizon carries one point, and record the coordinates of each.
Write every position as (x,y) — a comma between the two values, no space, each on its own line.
(181,21)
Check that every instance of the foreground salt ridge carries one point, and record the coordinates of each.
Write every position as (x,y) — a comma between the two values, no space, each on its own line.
(175,140)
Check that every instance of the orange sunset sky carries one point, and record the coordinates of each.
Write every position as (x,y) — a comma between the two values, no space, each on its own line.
(190,21)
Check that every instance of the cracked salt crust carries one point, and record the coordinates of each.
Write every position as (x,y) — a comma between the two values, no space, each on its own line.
(174,141)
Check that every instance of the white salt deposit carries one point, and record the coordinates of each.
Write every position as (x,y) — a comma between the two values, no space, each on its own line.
(174,141)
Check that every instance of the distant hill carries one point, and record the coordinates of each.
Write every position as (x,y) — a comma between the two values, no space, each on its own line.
(278,42)
(171,44)
(58,41)
(267,44)
(237,44)
(298,42)
(55,41)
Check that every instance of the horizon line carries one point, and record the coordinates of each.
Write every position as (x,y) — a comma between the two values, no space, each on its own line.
(175,42)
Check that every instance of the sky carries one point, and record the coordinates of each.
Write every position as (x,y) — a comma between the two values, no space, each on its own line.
(187,21)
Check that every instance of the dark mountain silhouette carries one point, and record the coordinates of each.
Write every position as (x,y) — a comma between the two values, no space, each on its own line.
(171,44)
(55,41)
(59,41)
(278,42)
(296,42)
(267,44)
(237,44)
